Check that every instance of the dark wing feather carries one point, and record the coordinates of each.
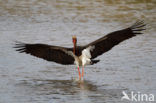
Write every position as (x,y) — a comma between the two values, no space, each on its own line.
(107,42)
(51,53)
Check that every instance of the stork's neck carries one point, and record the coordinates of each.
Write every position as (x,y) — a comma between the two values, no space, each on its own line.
(74,48)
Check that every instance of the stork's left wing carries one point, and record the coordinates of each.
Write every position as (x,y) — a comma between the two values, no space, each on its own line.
(105,43)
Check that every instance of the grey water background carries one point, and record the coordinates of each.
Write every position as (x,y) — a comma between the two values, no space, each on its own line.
(130,66)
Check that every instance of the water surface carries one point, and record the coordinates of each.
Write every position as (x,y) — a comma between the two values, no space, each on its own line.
(128,67)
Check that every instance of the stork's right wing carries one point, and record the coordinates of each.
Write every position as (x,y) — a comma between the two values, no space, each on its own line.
(51,53)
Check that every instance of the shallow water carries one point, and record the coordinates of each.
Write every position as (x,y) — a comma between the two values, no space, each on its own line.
(130,66)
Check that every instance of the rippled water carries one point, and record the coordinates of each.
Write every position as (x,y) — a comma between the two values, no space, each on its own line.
(130,66)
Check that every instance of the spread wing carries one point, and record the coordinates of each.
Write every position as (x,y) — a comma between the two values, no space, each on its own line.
(51,53)
(105,43)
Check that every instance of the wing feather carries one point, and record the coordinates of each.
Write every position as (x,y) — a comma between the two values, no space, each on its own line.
(50,53)
(105,43)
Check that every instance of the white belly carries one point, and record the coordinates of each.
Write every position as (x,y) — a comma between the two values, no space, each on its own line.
(85,61)
(85,58)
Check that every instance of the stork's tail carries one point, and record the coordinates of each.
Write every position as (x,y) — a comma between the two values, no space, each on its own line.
(94,61)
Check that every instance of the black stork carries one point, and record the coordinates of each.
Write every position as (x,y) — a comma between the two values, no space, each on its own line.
(81,55)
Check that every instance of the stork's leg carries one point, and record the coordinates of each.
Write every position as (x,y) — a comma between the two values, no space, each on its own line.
(82,72)
(79,73)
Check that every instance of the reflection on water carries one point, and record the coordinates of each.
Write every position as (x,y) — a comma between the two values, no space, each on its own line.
(68,87)
(84,91)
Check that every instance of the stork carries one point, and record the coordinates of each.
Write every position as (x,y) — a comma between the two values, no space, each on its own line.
(81,55)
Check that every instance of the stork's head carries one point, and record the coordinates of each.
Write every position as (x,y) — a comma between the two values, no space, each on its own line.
(74,39)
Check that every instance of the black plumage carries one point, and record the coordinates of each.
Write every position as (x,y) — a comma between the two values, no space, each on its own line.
(105,43)
(60,54)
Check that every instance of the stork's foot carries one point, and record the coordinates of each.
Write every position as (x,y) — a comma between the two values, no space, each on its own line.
(82,72)
(80,77)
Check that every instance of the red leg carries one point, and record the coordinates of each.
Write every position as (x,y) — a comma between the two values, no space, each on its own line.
(82,71)
(79,73)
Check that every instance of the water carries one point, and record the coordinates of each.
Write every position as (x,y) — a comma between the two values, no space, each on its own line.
(129,66)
